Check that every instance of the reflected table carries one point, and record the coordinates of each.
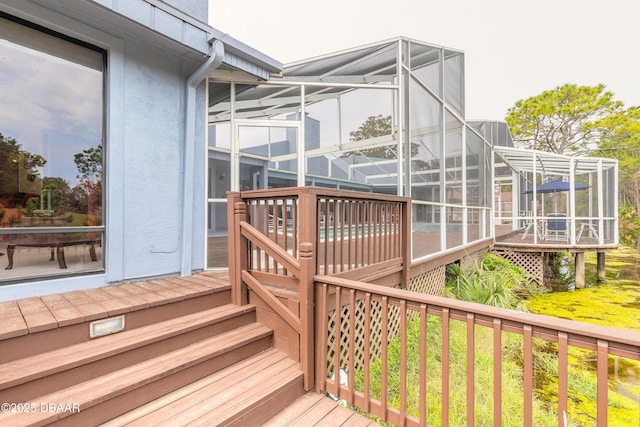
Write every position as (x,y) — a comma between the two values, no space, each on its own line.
(57,249)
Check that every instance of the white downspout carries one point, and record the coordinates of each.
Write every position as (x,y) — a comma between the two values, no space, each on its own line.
(216,55)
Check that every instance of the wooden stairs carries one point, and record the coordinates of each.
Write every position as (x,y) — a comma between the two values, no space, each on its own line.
(185,357)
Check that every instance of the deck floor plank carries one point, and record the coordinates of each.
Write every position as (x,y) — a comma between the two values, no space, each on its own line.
(36,315)
(294,411)
(313,409)
(51,313)
(253,393)
(63,310)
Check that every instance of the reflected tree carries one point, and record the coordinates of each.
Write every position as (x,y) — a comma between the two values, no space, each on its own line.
(55,194)
(19,176)
(89,164)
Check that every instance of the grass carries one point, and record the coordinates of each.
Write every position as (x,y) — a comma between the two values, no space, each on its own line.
(486,283)
(494,281)
(614,303)
(512,377)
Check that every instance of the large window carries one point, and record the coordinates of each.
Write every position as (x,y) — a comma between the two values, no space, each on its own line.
(51,154)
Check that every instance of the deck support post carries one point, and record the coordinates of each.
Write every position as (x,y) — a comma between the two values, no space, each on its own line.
(580,276)
(601,266)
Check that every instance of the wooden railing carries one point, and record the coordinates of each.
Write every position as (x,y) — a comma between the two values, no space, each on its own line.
(334,249)
(284,237)
(358,317)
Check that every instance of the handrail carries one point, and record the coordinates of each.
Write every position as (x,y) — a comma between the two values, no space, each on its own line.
(342,231)
(344,302)
(281,256)
(274,193)
(273,302)
(272,249)
(541,324)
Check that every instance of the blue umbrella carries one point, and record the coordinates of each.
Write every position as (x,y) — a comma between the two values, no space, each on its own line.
(556,187)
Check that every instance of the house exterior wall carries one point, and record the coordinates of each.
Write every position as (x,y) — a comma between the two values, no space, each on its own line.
(144,156)
(153,163)
(199,9)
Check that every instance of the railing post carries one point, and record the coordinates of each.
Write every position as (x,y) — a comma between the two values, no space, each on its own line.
(237,246)
(307,297)
(307,208)
(232,236)
(406,243)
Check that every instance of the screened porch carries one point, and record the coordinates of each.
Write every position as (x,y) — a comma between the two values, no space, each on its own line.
(388,117)
(553,199)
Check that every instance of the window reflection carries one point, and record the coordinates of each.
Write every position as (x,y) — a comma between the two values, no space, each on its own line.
(51,151)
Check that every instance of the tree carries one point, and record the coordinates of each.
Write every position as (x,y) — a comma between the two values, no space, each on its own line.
(372,127)
(562,120)
(620,139)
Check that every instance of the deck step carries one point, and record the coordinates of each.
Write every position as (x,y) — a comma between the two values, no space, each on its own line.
(40,324)
(26,378)
(245,394)
(117,392)
(316,410)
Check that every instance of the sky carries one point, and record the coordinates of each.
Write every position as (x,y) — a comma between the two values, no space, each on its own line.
(514,49)
(56,110)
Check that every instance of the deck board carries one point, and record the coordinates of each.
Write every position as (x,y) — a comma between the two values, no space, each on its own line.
(98,390)
(216,393)
(181,396)
(41,365)
(36,314)
(312,409)
(288,416)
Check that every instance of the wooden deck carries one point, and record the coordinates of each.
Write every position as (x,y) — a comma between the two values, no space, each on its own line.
(505,236)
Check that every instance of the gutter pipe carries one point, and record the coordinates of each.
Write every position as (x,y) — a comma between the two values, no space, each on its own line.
(216,55)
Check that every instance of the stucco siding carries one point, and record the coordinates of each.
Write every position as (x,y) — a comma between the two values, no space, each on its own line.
(154,93)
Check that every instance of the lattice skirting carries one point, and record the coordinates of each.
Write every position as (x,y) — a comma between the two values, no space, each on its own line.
(431,282)
(532,262)
(472,259)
